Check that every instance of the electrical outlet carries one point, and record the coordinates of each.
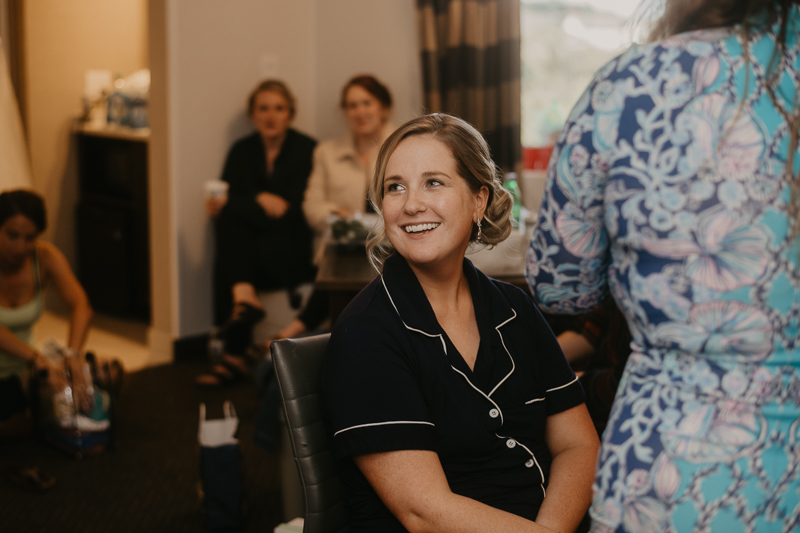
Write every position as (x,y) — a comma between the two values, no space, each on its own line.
(268,66)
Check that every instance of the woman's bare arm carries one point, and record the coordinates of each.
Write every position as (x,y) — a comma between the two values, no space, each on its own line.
(55,268)
(573,442)
(273,205)
(575,346)
(412,484)
(10,344)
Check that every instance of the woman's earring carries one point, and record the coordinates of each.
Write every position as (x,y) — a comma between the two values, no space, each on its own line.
(479,231)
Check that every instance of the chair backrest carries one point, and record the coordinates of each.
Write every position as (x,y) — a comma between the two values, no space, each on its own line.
(298,367)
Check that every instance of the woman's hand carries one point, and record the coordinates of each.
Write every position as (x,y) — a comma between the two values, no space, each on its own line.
(80,380)
(272,204)
(215,205)
(10,344)
(40,363)
(54,373)
(344,212)
(82,386)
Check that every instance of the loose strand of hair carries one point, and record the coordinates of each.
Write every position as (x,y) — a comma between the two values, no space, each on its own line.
(791,116)
(746,33)
(793,126)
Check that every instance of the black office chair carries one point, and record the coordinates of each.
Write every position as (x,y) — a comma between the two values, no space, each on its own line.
(298,365)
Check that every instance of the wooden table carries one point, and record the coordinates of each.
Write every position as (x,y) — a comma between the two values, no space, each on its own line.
(344,269)
(344,272)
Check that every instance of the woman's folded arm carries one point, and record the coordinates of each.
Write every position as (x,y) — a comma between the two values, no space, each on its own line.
(412,484)
(573,443)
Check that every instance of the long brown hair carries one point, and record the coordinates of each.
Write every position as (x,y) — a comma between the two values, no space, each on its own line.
(750,15)
(372,86)
(688,15)
(23,202)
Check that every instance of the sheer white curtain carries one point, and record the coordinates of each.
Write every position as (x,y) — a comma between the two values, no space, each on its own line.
(15,169)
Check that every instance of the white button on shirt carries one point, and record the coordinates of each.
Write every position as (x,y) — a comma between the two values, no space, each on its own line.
(511,443)
(529,463)
(494,413)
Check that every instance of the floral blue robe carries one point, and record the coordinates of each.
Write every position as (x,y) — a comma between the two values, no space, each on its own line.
(668,187)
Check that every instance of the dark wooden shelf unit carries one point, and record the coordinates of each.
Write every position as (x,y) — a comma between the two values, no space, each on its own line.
(112,213)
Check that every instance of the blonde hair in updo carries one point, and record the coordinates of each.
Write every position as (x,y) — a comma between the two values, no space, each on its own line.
(473,163)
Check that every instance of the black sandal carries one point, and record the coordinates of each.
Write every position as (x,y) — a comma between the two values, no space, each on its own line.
(237,332)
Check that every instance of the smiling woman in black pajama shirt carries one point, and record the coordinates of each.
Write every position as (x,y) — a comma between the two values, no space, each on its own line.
(451,418)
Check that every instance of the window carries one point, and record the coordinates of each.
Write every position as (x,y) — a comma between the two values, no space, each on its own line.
(564,42)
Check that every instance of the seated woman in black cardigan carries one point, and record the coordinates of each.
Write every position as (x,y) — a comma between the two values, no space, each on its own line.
(262,239)
(446,395)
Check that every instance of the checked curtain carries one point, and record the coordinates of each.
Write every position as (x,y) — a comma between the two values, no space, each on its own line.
(471,68)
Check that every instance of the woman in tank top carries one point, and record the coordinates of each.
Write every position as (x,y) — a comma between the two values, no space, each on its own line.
(27,266)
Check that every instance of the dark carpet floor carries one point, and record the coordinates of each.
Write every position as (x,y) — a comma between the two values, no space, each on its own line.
(149,482)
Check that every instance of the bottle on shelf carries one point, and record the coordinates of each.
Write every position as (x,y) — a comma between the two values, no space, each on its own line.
(216,347)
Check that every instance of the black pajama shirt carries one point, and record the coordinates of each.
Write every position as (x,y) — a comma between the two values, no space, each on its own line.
(393,380)
(251,247)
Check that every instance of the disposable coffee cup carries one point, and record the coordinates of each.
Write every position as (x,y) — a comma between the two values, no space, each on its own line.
(533,182)
(217,189)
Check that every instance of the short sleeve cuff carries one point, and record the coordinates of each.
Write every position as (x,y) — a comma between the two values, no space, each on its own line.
(565,397)
(385,437)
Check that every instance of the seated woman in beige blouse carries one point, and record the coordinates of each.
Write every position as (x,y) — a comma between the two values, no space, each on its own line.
(343,166)
(343,169)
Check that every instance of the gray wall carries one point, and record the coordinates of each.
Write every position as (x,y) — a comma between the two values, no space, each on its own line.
(217,50)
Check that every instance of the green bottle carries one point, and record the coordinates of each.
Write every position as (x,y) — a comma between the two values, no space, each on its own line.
(511,185)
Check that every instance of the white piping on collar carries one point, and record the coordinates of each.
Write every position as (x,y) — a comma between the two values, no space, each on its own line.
(444,347)
(488,397)
(481,393)
(513,367)
(503,342)
(441,338)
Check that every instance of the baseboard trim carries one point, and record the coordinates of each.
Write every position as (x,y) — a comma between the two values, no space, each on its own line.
(161,347)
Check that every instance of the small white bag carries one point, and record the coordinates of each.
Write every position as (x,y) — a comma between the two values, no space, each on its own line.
(215,433)
(221,470)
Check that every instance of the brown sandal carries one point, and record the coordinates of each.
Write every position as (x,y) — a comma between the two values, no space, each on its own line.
(231,370)
(33,478)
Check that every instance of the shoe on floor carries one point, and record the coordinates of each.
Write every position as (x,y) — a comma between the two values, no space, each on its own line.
(232,369)
(31,478)
(237,332)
